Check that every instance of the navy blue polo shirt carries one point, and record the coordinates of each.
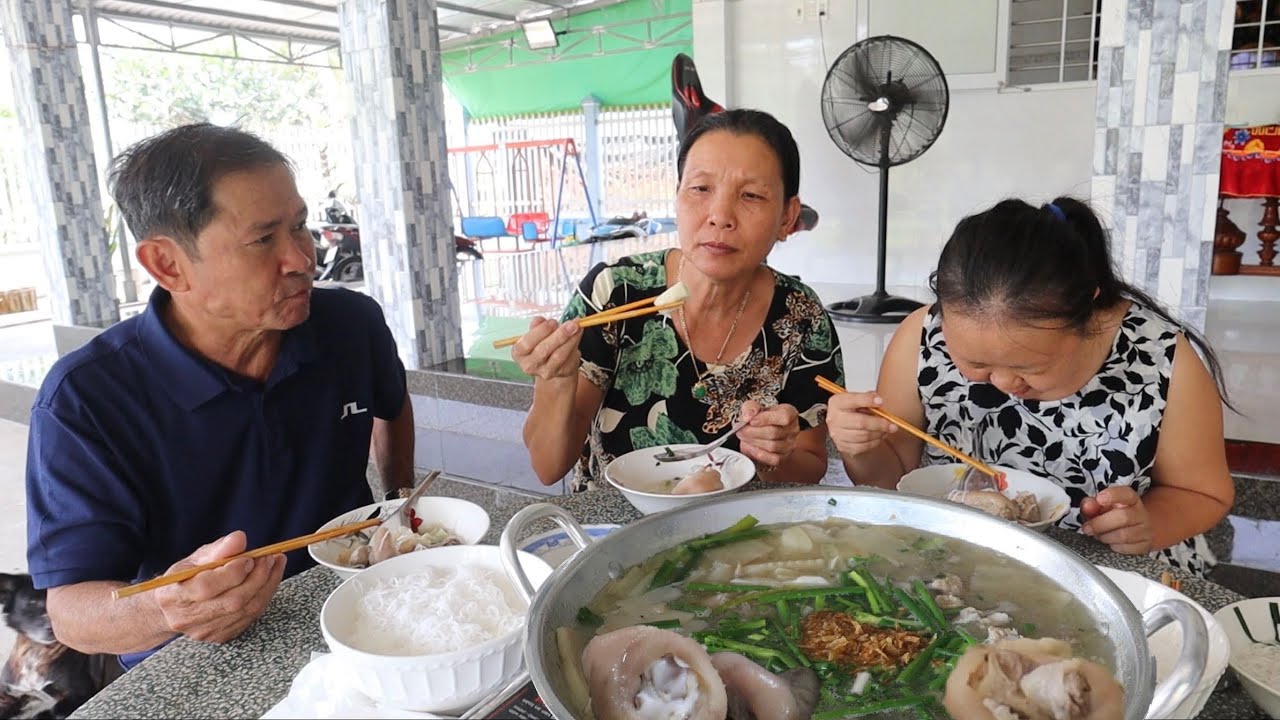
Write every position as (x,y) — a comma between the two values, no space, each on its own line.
(140,451)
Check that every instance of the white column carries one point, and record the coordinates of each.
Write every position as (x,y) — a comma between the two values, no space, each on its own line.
(62,178)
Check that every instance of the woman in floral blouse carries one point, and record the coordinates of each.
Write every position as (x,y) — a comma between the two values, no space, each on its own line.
(747,343)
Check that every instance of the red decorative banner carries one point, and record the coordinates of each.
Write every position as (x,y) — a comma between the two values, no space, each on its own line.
(1251,162)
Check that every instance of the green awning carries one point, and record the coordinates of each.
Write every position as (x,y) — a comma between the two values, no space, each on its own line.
(626,62)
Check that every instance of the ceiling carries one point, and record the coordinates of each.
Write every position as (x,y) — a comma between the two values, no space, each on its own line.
(317,20)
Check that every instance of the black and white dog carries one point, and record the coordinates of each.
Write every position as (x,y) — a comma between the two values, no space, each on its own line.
(44,678)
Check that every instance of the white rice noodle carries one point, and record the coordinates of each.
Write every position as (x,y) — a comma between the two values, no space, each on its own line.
(860,682)
(436,610)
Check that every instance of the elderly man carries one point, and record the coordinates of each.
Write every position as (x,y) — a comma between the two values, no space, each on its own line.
(236,411)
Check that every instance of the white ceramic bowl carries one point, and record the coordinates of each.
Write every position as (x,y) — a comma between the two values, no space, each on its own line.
(1166,644)
(1258,614)
(465,519)
(440,683)
(936,481)
(640,478)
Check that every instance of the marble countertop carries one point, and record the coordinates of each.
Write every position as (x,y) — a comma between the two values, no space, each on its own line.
(246,677)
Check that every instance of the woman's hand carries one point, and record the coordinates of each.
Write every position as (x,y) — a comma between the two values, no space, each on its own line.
(1117,517)
(853,431)
(549,350)
(770,435)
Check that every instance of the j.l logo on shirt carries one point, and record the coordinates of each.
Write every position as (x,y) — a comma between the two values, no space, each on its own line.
(352,408)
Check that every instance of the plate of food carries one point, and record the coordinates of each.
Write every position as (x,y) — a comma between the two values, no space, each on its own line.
(439,521)
(1029,500)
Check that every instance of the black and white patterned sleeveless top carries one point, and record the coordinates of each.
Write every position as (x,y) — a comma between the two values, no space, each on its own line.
(1103,435)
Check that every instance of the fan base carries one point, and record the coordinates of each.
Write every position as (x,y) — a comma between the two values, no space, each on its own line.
(875,308)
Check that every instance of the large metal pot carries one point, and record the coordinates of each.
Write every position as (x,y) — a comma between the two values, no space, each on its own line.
(579,579)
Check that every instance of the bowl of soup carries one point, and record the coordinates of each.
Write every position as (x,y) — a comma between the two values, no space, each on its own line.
(652,486)
(787,578)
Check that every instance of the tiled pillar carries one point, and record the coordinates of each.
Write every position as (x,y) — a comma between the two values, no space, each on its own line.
(1162,87)
(62,179)
(391,58)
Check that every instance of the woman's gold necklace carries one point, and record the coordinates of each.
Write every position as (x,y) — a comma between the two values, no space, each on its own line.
(700,387)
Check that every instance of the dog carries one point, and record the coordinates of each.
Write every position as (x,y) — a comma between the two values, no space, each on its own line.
(44,678)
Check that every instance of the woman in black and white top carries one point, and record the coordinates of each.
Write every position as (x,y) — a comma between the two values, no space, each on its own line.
(1037,356)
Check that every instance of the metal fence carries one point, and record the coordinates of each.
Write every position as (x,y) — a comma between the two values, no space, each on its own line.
(638,147)
(508,180)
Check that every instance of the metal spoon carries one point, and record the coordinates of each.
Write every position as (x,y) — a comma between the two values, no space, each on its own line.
(401,514)
(670,455)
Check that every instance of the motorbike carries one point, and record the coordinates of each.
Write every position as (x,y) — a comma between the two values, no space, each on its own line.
(337,242)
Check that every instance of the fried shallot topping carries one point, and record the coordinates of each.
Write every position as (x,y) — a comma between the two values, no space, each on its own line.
(831,636)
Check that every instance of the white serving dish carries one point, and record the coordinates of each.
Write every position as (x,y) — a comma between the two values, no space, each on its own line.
(555,547)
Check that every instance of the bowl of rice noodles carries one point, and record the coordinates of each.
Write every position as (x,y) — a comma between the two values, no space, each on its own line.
(829,602)
(434,630)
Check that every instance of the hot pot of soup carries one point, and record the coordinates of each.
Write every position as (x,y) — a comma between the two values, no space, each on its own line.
(846,602)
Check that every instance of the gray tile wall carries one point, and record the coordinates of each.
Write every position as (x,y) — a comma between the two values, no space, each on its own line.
(1162,84)
(62,180)
(391,58)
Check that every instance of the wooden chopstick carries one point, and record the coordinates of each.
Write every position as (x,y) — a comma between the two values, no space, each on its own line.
(268,550)
(601,318)
(982,467)
(642,302)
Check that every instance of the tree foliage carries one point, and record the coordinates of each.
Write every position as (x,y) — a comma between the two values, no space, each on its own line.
(148,88)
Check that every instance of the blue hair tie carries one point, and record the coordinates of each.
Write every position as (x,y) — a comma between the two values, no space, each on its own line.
(1057,212)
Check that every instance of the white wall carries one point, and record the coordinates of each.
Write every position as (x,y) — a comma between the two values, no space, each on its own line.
(1034,144)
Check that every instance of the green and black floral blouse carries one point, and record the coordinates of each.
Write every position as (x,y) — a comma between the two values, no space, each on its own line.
(653,395)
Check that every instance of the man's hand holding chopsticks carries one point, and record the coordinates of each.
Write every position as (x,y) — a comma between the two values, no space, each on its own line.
(217,605)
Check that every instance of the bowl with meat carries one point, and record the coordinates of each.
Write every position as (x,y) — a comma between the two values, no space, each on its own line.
(1027,499)
(435,522)
(652,486)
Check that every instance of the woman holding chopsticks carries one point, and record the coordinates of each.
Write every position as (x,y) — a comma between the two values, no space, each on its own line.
(1039,357)
(744,340)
